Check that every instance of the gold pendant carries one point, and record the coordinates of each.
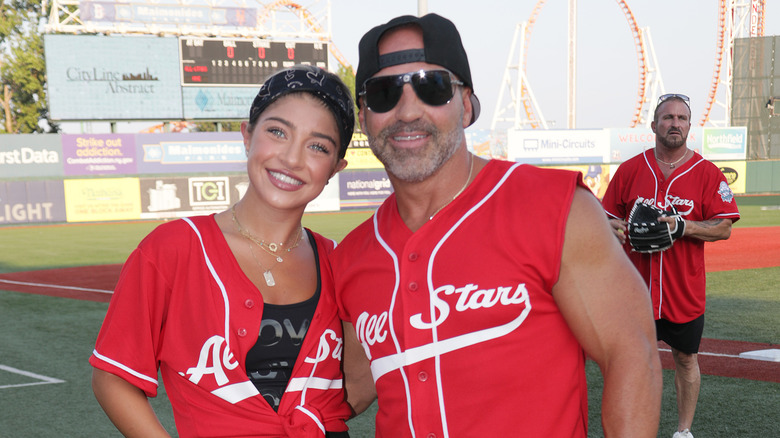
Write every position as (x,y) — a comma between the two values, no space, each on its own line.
(273,247)
(269,278)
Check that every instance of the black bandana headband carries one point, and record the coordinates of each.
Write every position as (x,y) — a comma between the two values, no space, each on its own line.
(318,82)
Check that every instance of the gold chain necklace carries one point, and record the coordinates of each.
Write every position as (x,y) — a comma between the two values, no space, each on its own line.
(671,165)
(471,170)
(267,275)
(270,248)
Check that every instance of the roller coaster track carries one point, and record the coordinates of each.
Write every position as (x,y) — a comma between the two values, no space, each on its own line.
(310,20)
(723,9)
(641,59)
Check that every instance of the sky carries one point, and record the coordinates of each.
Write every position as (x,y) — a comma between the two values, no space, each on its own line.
(684,35)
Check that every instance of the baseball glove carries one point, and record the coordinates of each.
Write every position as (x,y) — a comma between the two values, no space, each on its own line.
(647,234)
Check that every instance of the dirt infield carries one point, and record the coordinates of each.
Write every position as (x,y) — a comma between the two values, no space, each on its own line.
(91,283)
(721,358)
(746,249)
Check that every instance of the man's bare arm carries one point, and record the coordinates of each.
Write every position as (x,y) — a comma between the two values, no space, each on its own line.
(607,306)
(358,381)
(709,231)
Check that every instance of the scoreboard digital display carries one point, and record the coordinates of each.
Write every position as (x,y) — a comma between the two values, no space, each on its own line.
(243,62)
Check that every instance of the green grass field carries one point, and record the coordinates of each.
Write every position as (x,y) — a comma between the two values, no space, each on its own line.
(54,337)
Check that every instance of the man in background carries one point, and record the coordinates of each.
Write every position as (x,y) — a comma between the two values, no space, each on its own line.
(675,179)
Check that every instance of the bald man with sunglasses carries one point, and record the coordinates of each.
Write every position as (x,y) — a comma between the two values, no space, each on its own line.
(672,177)
(473,295)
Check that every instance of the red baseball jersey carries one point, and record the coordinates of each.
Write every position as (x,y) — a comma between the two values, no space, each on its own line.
(458,319)
(184,305)
(699,191)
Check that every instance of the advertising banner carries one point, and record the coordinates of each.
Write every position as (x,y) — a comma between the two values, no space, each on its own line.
(362,158)
(735,173)
(153,12)
(478,141)
(191,152)
(367,188)
(557,146)
(23,202)
(625,143)
(725,143)
(359,155)
(99,154)
(596,176)
(94,77)
(174,196)
(328,200)
(24,156)
(218,102)
(104,199)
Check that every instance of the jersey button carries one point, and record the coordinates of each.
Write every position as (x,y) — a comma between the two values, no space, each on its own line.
(431,435)
(413,257)
(413,286)
(422,376)
(242,332)
(249,303)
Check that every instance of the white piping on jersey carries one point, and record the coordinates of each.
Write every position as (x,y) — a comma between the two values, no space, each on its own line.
(434,330)
(661,254)
(216,279)
(437,348)
(313,417)
(125,368)
(393,335)
(303,383)
(238,391)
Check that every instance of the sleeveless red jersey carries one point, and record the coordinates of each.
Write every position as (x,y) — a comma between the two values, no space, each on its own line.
(458,319)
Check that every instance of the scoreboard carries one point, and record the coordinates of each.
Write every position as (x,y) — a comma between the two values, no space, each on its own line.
(97,77)
(232,62)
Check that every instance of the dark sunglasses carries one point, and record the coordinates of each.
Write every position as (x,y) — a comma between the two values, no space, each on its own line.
(682,97)
(434,87)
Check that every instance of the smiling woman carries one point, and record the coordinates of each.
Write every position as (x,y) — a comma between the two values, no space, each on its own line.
(236,310)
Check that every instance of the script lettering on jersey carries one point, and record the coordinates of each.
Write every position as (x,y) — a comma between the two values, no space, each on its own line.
(211,361)
(324,349)
(684,206)
(648,201)
(371,329)
(470,298)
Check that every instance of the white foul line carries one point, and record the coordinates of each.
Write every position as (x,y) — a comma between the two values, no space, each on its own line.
(56,286)
(708,354)
(44,379)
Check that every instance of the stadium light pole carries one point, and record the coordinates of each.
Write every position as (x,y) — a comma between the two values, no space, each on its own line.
(572,76)
(422,7)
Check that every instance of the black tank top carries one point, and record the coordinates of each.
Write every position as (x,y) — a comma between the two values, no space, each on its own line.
(270,362)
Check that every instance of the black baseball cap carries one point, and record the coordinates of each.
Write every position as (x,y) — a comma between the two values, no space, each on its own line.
(442,46)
